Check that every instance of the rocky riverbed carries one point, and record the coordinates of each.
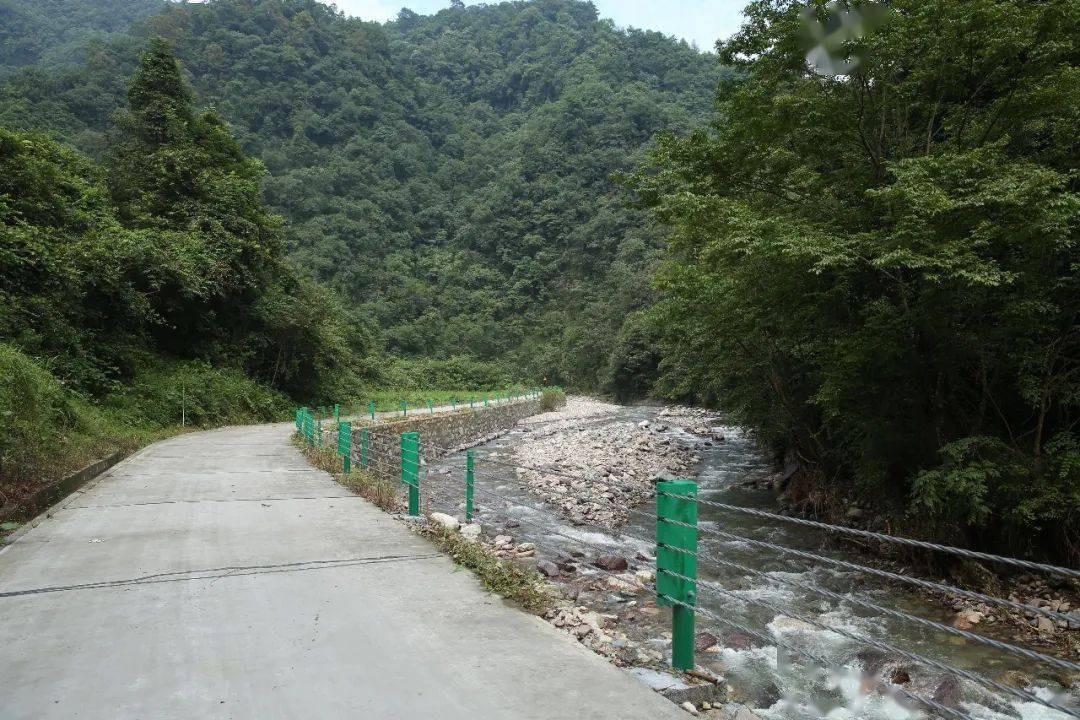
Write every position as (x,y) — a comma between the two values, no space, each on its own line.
(595,473)
(607,603)
(598,555)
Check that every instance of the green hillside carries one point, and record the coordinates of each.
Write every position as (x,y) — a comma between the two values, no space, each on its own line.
(449,175)
(55,33)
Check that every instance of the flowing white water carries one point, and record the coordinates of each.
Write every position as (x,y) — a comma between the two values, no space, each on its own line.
(780,684)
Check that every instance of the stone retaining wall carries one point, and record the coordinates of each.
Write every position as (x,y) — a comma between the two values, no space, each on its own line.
(54,492)
(439,434)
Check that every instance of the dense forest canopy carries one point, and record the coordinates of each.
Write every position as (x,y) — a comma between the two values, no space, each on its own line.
(449,175)
(879,270)
(208,210)
(55,33)
(871,260)
(159,274)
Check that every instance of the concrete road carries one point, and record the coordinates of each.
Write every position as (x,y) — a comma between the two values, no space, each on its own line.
(217,575)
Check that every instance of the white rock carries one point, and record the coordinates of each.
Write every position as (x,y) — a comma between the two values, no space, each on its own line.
(503,540)
(470,531)
(689,707)
(973,616)
(788,625)
(447,521)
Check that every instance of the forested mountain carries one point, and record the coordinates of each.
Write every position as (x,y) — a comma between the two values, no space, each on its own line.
(876,271)
(449,175)
(149,290)
(54,33)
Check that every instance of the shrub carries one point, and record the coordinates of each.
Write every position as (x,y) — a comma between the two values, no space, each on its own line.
(456,372)
(551,399)
(524,586)
(34,410)
(376,489)
(373,488)
(199,395)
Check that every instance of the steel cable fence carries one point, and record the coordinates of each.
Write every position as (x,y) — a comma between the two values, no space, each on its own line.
(415,477)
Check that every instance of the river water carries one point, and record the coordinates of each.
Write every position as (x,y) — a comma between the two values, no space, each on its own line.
(779,684)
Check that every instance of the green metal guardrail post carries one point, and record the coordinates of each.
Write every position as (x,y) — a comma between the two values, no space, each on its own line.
(470,478)
(410,469)
(344,445)
(471,401)
(486,398)
(431,406)
(371,409)
(363,448)
(404,408)
(318,432)
(674,545)
(453,404)
(337,413)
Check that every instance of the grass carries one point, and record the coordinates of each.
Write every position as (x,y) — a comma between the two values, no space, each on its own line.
(48,431)
(526,587)
(390,400)
(378,490)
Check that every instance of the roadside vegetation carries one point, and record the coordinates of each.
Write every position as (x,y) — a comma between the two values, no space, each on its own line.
(878,271)
(522,585)
(378,490)
(147,293)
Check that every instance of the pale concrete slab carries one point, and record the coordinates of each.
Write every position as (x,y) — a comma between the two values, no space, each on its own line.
(216,575)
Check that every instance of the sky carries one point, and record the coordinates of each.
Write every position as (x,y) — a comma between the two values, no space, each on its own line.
(700,21)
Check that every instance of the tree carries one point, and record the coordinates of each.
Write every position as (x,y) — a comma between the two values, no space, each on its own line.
(878,270)
(449,175)
(181,177)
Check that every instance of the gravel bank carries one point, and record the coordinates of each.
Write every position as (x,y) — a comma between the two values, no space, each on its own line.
(595,472)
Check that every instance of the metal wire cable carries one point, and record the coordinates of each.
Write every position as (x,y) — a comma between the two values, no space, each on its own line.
(899,614)
(920,544)
(999,645)
(928,584)
(1040,657)
(973,677)
(883,646)
(884,688)
(924,701)
(866,534)
(1031,654)
(915,657)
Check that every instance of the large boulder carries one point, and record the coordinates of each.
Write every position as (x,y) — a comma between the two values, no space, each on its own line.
(448,522)
(547,568)
(612,563)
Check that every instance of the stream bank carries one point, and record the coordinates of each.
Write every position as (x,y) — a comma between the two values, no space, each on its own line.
(610,605)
